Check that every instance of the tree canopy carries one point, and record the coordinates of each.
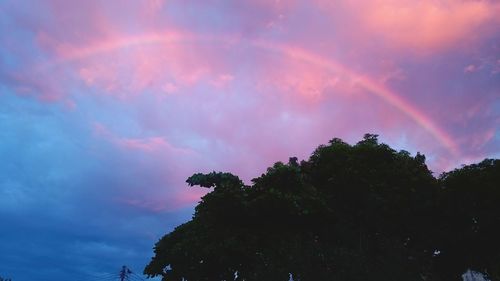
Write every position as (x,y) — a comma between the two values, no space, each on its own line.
(349,212)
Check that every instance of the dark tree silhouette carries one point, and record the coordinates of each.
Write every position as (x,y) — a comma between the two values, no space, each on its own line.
(469,233)
(350,212)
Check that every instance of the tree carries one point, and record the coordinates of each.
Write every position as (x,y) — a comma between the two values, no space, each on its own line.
(349,212)
(470,220)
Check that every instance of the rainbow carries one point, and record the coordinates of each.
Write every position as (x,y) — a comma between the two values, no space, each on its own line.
(371,86)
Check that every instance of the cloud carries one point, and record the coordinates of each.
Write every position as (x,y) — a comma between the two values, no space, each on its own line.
(106,108)
(161,65)
(470,68)
(420,26)
(64,183)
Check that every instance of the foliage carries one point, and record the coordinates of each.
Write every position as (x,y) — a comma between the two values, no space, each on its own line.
(350,212)
(470,219)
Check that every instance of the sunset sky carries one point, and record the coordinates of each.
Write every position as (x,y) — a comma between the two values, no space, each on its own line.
(106,107)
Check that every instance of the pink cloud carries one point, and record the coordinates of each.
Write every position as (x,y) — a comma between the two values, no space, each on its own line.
(155,144)
(156,168)
(289,81)
(470,68)
(421,26)
(150,144)
(222,80)
(125,65)
(170,204)
(129,66)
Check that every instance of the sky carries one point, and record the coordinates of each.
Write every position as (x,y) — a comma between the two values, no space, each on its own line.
(107,106)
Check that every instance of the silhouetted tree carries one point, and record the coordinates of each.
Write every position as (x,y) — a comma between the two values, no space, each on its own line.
(350,212)
(469,234)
